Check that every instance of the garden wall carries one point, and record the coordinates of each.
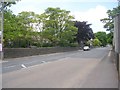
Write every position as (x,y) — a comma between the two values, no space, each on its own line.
(22,52)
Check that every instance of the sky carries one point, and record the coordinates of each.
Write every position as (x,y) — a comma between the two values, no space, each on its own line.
(83,10)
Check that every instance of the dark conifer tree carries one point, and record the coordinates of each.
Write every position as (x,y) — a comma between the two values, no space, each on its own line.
(84,33)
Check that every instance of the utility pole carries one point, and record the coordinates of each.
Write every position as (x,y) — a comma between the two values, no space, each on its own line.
(1,31)
(1,38)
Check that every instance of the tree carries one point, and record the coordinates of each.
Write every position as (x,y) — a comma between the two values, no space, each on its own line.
(7,4)
(84,33)
(96,42)
(26,22)
(11,28)
(18,30)
(56,24)
(52,28)
(102,36)
(109,22)
(8,19)
(109,38)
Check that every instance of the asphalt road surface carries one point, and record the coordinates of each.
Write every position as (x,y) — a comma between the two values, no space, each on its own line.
(75,69)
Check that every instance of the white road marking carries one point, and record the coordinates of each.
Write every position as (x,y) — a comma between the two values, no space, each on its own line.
(1,61)
(10,66)
(43,62)
(23,66)
(31,62)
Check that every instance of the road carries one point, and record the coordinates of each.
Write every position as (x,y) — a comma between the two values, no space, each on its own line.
(75,69)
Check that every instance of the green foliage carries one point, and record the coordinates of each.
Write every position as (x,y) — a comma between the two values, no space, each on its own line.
(16,30)
(110,38)
(57,26)
(108,21)
(102,36)
(10,26)
(96,42)
(6,4)
(52,28)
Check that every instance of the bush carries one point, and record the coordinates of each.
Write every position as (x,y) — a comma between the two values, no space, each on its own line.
(96,42)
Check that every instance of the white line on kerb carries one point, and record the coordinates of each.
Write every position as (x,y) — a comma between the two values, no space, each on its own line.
(109,54)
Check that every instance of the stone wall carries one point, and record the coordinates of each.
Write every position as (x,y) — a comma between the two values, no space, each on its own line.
(22,52)
(117,41)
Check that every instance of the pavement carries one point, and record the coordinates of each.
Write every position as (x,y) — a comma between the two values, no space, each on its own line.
(103,75)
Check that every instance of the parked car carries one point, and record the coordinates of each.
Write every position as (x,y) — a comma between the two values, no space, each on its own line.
(85,48)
